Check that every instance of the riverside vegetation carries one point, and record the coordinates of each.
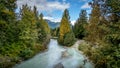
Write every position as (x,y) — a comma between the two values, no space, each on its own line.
(101,33)
(21,35)
(25,34)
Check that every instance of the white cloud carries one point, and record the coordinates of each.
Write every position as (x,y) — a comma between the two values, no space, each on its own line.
(57,5)
(89,11)
(52,19)
(73,22)
(85,6)
(44,5)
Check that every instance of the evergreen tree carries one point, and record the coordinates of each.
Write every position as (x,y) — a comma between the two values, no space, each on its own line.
(79,27)
(54,32)
(64,28)
(19,37)
(8,27)
(28,26)
(114,24)
(43,30)
(104,26)
(69,39)
(7,8)
(92,28)
(113,36)
(35,12)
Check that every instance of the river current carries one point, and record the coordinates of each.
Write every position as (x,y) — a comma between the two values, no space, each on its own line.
(57,57)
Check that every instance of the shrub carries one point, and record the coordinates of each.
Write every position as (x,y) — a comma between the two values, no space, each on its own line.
(69,39)
(26,53)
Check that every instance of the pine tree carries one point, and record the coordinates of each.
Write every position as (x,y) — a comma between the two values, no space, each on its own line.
(18,37)
(43,30)
(35,12)
(105,26)
(79,27)
(64,28)
(28,26)
(7,8)
(114,24)
(8,28)
(113,36)
(92,28)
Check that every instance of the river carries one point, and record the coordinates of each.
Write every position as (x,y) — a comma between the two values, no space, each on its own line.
(56,57)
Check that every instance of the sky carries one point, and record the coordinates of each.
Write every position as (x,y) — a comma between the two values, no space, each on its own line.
(53,9)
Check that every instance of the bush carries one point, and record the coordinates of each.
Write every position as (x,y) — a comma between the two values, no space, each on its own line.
(103,56)
(69,39)
(39,47)
(26,53)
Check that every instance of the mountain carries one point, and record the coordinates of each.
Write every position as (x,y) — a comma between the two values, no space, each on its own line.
(52,24)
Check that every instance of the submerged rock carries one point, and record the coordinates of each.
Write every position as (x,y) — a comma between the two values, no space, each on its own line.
(85,61)
(65,54)
(59,65)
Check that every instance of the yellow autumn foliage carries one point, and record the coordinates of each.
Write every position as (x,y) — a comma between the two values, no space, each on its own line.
(64,28)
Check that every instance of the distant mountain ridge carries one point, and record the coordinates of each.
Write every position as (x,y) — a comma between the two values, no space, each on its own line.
(52,25)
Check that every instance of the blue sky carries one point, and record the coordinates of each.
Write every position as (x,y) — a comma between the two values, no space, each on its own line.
(53,9)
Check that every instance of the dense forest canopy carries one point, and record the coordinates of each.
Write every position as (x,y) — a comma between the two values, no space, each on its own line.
(20,38)
(103,34)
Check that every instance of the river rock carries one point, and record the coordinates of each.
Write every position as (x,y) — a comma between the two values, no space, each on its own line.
(65,54)
(59,65)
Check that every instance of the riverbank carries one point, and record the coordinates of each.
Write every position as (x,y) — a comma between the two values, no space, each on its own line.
(9,61)
(52,58)
(87,50)
(77,46)
(17,53)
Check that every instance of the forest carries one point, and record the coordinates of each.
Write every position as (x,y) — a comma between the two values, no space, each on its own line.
(26,34)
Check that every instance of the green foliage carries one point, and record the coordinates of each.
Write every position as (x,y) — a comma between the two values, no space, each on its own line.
(7,15)
(93,27)
(23,38)
(26,53)
(7,8)
(10,50)
(64,26)
(84,47)
(43,30)
(64,29)
(114,6)
(94,53)
(79,27)
(103,35)
(28,26)
(114,34)
(3,27)
(44,24)
(54,32)
(69,39)
(19,38)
